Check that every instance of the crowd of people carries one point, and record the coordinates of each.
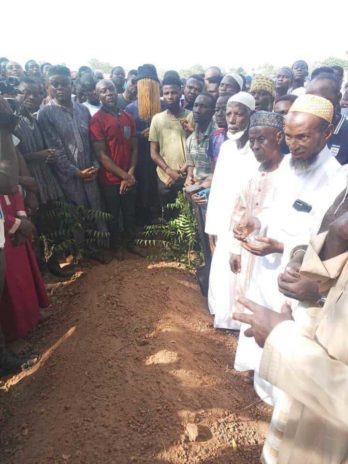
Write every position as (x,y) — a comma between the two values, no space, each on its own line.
(262,162)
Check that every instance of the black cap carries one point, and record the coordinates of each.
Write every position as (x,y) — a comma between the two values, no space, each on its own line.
(147,71)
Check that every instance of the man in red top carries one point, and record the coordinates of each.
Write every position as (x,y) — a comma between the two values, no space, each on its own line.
(114,139)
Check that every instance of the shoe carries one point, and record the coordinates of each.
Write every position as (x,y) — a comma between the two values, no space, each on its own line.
(55,269)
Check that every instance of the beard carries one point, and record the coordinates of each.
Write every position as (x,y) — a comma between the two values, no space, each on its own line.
(300,165)
(236,136)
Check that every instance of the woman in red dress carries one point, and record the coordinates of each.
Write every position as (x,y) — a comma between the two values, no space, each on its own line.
(24,290)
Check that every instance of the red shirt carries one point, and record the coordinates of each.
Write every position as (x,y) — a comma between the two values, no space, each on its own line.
(117,132)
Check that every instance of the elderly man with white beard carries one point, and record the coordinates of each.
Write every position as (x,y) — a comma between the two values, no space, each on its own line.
(235,164)
(309,179)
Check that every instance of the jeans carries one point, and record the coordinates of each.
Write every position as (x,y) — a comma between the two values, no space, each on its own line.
(117,203)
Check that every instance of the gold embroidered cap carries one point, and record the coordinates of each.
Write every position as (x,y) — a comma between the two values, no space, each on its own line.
(313,104)
(260,82)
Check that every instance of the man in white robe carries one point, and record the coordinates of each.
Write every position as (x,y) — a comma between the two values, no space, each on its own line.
(235,162)
(309,179)
(305,355)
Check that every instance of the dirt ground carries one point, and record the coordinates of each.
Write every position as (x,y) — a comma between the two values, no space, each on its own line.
(131,372)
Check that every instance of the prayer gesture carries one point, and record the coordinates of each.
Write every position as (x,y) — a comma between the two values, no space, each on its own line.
(246,226)
(263,246)
(262,320)
(294,285)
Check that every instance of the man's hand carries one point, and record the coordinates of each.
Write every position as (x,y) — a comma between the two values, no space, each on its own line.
(212,243)
(188,128)
(25,231)
(294,285)
(262,320)
(87,174)
(127,183)
(51,156)
(31,202)
(196,198)
(263,246)
(174,176)
(190,180)
(245,227)
(235,263)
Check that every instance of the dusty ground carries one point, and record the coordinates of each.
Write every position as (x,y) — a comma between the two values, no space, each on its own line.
(131,365)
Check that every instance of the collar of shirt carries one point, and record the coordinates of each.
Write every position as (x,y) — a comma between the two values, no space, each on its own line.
(202,136)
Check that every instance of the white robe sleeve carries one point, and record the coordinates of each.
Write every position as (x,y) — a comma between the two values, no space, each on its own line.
(304,370)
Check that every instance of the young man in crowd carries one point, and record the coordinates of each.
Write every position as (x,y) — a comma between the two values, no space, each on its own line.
(168,142)
(130,93)
(263,90)
(114,139)
(193,87)
(283,81)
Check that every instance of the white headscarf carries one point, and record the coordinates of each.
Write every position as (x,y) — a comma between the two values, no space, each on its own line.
(237,78)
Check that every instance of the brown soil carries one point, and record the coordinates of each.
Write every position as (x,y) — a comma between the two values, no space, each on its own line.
(131,372)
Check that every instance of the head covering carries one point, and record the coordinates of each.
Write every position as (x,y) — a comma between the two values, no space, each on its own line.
(237,78)
(260,82)
(147,71)
(244,98)
(313,104)
(268,119)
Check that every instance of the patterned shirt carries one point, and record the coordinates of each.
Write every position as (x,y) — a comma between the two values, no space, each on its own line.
(197,152)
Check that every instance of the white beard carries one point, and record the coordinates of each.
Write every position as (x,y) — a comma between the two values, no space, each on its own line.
(236,136)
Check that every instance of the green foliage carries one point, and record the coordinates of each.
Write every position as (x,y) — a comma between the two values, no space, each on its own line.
(71,229)
(175,239)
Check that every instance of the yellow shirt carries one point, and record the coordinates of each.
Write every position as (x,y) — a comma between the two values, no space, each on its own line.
(167,131)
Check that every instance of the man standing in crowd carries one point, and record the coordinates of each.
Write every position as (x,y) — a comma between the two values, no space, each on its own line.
(263,90)
(88,82)
(193,87)
(168,141)
(114,139)
(118,77)
(326,85)
(212,73)
(235,163)
(198,163)
(230,84)
(283,81)
(300,71)
(64,124)
(129,94)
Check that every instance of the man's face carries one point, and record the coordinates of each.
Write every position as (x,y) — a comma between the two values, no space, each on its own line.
(192,89)
(33,69)
(282,107)
(213,89)
(132,86)
(171,96)
(14,69)
(59,88)
(264,142)
(283,79)
(92,97)
(324,88)
(237,117)
(228,86)
(203,109)
(220,112)
(300,70)
(30,97)
(211,72)
(107,94)
(119,77)
(304,135)
(263,100)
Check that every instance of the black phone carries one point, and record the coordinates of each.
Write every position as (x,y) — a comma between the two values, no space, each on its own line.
(300,205)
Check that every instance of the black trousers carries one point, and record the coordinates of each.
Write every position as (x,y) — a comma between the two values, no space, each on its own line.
(115,204)
(168,195)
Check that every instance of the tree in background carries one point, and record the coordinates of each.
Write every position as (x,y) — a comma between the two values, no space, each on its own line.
(104,66)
